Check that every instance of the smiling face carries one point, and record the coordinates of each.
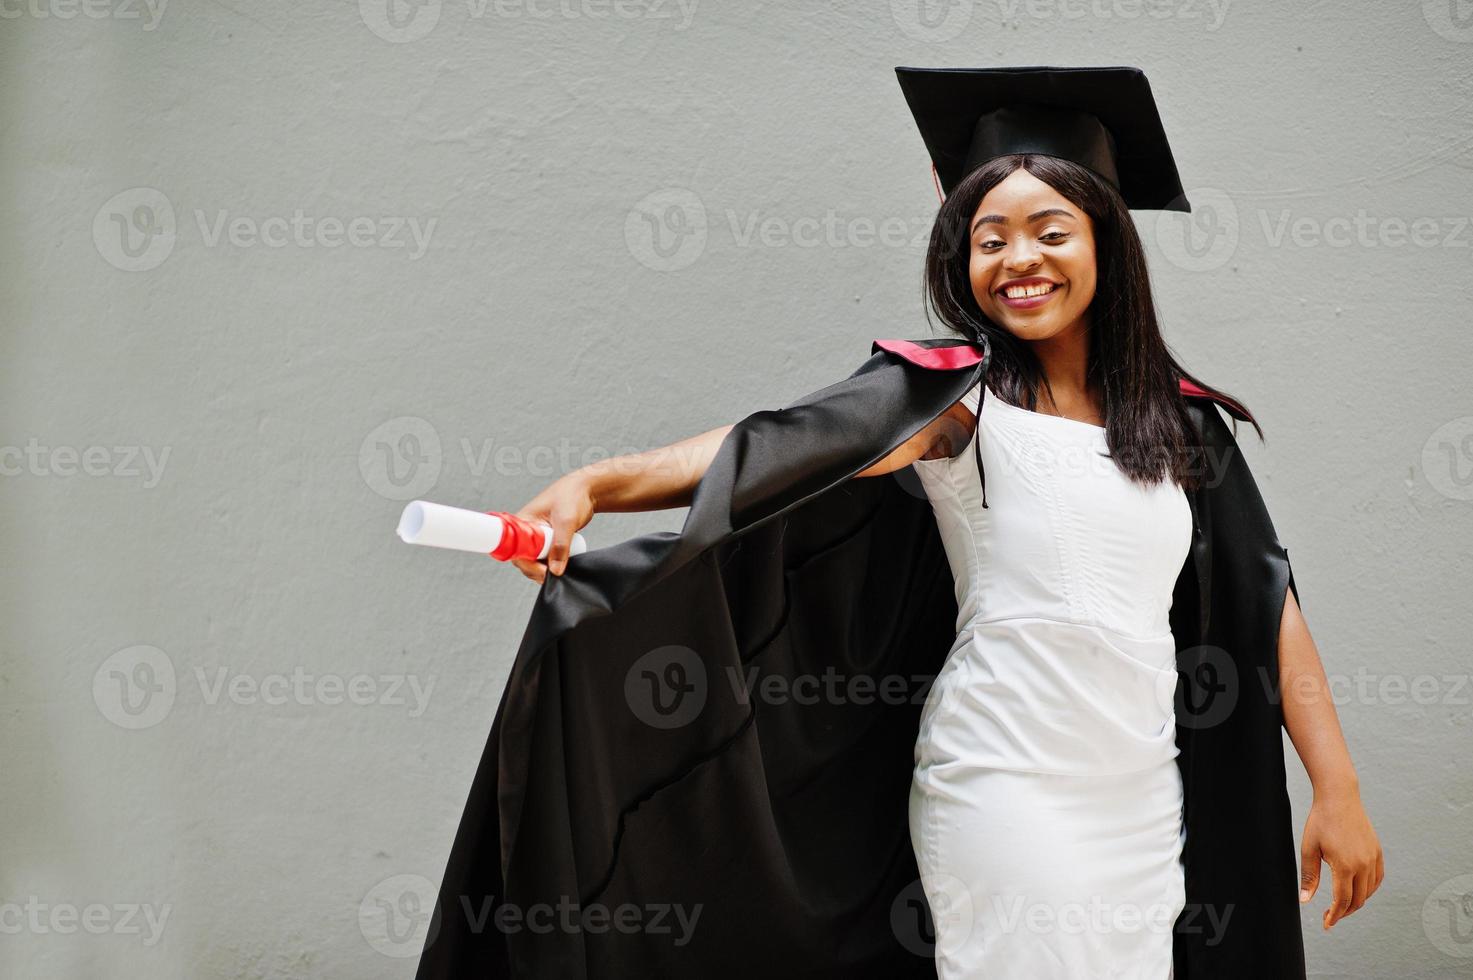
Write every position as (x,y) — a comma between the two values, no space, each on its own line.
(1033,259)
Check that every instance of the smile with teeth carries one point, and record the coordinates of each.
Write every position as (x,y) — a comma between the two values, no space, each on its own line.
(1025,292)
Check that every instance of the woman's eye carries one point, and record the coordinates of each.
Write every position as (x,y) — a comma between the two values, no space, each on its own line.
(1052,236)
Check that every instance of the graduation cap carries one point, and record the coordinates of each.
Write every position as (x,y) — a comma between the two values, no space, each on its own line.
(1101,118)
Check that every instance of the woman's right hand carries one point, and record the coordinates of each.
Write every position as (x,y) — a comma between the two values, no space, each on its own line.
(651,480)
(568,505)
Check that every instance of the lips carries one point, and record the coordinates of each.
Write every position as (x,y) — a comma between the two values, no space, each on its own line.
(1031,283)
(1025,302)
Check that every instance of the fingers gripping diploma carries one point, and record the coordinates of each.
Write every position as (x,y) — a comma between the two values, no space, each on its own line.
(535,532)
(565,506)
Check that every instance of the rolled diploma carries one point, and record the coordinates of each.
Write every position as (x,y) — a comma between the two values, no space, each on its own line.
(440,526)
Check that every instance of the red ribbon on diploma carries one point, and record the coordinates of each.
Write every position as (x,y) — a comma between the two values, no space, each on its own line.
(519,538)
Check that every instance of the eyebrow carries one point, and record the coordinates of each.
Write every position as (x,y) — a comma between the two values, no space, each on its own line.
(998,219)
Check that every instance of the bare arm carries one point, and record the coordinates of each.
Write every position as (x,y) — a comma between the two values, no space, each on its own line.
(668,476)
(1337,830)
(1309,713)
(654,479)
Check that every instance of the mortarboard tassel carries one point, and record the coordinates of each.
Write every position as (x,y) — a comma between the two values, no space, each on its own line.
(977,444)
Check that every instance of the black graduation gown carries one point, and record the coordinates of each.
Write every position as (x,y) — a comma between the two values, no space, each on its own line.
(633,774)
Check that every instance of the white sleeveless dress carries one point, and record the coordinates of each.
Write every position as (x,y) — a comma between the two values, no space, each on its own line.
(1046,804)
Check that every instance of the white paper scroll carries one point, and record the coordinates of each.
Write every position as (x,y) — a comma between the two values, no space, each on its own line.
(440,526)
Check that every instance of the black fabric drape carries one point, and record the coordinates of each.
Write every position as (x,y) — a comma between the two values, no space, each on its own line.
(637,765)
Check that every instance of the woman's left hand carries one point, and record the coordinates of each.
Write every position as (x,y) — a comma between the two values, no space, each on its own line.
(1338,832)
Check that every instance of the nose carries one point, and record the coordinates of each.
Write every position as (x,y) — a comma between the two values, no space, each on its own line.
(1021,254)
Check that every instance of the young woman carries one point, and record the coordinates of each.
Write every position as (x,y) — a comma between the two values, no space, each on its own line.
(1046,803)
(1046,776)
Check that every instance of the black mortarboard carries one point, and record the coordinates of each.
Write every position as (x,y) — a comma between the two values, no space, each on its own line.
(1101,118)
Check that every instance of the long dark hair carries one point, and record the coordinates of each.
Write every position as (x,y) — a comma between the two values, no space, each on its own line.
(1149,433)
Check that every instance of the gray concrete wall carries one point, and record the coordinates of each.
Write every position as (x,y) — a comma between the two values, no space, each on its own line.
(269,269)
